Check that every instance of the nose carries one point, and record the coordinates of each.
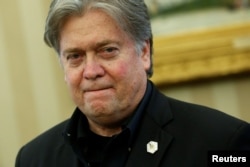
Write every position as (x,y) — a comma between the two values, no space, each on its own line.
(92,69)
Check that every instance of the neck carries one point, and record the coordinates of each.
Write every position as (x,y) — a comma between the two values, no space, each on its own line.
(107,131)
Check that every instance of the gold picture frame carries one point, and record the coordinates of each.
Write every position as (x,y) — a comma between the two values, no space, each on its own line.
(203,54)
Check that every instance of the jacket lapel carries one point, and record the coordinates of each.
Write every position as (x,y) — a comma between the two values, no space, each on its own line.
(151,130)
(139,156)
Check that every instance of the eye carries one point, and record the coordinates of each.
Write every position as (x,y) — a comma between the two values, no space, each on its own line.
(108,52)
(74,59)
(73,56)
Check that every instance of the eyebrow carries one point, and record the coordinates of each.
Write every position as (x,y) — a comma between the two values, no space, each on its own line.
(97,45)
(105,42)
(71,50)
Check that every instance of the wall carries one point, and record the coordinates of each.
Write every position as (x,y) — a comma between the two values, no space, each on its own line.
(230,95)
(33,94)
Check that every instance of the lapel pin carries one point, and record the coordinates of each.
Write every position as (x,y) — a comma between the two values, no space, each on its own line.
(152,147)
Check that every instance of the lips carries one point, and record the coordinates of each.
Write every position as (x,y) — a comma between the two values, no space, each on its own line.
(96,88)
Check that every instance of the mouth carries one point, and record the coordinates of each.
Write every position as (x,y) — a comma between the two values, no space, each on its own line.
(96,89)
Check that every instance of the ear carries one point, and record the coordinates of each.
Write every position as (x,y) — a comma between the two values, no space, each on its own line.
(65,78)
(61,65)
(60,61)
(145,55)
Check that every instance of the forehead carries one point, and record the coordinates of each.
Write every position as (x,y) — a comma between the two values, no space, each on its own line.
(94,26)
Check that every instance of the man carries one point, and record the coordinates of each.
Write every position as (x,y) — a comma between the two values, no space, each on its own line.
(121,119)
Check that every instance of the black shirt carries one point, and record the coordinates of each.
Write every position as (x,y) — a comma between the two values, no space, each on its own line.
(98,151)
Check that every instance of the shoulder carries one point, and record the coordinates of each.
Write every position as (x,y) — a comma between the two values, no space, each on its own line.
(199,114)
(45,146)
(209,125)
(189,112)
(49,137)
(182,111)
(191,123)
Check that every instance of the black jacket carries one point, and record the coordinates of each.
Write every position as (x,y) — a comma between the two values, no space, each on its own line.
(184,132)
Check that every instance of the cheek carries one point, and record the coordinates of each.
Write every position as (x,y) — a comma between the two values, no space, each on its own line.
(72,78)
(121,70)
(127,69)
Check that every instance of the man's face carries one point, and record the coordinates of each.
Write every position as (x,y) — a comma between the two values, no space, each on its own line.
(105,75)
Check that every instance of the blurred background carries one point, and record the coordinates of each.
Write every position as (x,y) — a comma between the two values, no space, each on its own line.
(202,55)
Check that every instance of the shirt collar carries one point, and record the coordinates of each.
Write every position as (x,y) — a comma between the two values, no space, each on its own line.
(135,120)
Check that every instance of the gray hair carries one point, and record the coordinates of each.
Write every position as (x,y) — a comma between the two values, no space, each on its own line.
(131,15)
